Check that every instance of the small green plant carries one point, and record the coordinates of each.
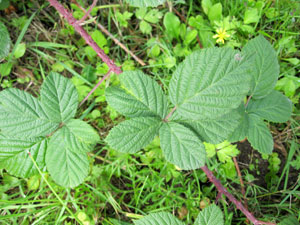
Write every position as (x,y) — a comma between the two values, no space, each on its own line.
(211,215)
(45,129)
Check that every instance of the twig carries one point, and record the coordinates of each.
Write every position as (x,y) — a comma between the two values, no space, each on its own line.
(104,30)
(96,86)
(237,203)
(241,182)
(69,17)
(87,13)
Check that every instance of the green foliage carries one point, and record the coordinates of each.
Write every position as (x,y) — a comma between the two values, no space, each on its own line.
(4,41)
(28,128)
(172,25)
(211,215)
(145,3)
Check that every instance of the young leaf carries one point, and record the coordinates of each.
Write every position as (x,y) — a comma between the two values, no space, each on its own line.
(212,131)
(163,218)
(4,41)
(215,12)
(22,115)
(14,155)
(140,96)
(67,164)
(59,98)
(145,3)
(211,215)
(265,68)
(132,135)
(172,25)
(210,83)
(259,135)
(275,107)
(181,146)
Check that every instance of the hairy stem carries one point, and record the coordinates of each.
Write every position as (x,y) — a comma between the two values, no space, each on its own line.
(69,17)
(104,30)
(238,204)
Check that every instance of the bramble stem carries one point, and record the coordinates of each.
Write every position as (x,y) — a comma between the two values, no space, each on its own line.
(87,13)
(69,17)
(104,30)
(238,204)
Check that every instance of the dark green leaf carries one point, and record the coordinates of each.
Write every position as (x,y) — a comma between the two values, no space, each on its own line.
(4,41)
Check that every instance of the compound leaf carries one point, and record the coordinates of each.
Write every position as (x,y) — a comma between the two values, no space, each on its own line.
(67,165)
(265,67)
(140,96)
(181,146)
(210,83)
(59,97)
(213,131)
(22,115)
(14,155)
(145,3)
(241,131)
(161,218)
(275,107)
(132,135)
(259,135)
(4,41)
(211,215)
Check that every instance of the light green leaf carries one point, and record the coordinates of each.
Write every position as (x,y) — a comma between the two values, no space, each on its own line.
(83,137)
(20,50)
(4,41)
(67,165)
(251,16)
(140,96)
(181,146)
(265,67)
(275,107)
(59,98)
(161,218)
(215,12)
(153,16)
(211,215)
(145,3)
(206,5)
(172,25)
(22,115)
(210,83)
(145,27)
(211,130)
(259,135)
(225,154)
(132,135)
(14,155)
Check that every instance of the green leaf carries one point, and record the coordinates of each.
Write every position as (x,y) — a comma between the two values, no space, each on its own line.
(206,5)
(145,27)
(259,135)
(59,98)
(83,137)
(225,154)
(211,215)
(20,50)
(251,16)
(275,107)
(145,3)
(265,68)
(211,130)
(4,41)
(22,115)
(67,164)
(241,131)
(290,220)
(140,96)
(14,155)
(210,83)
(215,12)
(172,25)
(153,16)
(181,146)
(132,135)
(161,218)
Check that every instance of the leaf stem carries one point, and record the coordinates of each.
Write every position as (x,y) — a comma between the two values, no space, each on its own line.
(170,114)
(248,100)
(72,21)
(52,189)
(238,204)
